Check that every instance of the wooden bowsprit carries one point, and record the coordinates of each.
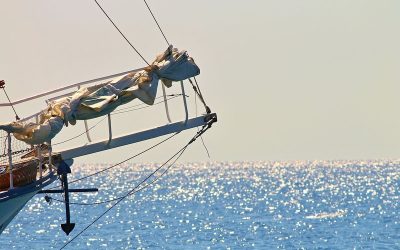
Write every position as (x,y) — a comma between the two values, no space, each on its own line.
(56,164)
(120,141)
(136,137)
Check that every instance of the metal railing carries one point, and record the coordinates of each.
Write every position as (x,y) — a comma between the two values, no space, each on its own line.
(39,153)
(65,88)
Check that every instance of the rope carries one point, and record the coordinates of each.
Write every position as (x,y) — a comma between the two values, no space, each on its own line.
(137,189)
(201,137)
(2,85)
(127,109)
(199,94)
(119,163)
(141,104)
(72,138)
(120,111)
(144,104)
(126,39)
(155,20)
(134,190)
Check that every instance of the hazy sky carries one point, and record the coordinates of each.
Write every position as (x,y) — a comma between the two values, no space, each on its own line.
(289,79)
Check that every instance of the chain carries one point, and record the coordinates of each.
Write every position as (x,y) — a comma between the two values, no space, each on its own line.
(16,152)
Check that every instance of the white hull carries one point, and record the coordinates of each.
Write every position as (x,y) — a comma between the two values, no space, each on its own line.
(11,207)
(12,201)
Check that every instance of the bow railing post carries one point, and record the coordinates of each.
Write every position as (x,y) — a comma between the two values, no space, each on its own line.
(10,164)
(50,157)
(39,154)
(166,102)
(86,125)
(185,103)
(109,128)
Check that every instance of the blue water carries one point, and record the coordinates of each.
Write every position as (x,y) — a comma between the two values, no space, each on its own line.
(223,205)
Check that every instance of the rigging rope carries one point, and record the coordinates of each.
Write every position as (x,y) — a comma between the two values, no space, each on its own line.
(119,163)
(144,104)
(77,136)
(155,20)
(119,111)
(126,39)
(201,137)
(199,94)
(137,189)
(128,109)
(133,191)
(2,86)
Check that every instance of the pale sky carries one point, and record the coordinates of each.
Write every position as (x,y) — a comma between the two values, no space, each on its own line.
(289,79)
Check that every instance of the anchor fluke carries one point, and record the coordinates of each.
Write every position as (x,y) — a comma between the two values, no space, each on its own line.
(67,227)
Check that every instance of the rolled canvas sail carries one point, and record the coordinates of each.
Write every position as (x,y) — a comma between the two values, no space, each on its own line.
(96,101)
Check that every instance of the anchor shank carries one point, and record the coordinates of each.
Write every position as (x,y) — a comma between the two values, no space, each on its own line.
(63,170)
(66,195)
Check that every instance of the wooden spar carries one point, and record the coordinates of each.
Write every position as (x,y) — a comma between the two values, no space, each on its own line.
(135,137)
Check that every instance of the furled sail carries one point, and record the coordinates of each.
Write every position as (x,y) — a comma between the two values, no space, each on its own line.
(99,100)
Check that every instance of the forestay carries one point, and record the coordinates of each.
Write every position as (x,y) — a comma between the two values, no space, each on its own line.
(91,102)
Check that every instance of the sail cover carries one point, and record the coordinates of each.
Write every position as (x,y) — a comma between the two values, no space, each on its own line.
(99,100)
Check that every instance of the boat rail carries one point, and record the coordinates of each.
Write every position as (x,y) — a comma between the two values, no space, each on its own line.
(70,86)
(131,138)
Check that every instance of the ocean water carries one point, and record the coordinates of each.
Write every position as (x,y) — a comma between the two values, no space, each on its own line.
(225,205)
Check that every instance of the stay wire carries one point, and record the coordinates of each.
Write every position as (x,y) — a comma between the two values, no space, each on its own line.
(197,90)
(155,20)
(147,106)
(135,189)
(119,163)
(199,94)
(180,152)
(9,101)
(120,111)
(198,87)
(126,39)
(201,137)
(115,204)
(130,109)
(77,136)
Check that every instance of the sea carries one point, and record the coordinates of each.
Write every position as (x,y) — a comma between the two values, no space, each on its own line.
(220,205)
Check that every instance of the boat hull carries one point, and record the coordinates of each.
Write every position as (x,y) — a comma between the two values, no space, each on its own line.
(11,207)
(13,200)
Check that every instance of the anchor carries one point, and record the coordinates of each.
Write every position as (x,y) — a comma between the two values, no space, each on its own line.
(63,170)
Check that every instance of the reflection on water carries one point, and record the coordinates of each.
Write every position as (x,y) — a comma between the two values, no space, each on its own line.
(338,205)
